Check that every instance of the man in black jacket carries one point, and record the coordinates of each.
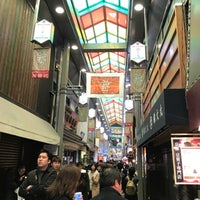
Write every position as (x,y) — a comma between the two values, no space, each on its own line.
(34,186)
(110,184)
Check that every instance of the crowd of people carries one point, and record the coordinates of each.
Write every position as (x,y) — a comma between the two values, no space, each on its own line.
(53,181)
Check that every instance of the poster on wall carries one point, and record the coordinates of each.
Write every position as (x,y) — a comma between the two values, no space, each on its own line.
(186,160)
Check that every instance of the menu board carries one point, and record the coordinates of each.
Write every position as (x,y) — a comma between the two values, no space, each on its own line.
(186,160)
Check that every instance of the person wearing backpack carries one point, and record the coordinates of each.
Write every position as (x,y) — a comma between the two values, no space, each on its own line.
(130,185)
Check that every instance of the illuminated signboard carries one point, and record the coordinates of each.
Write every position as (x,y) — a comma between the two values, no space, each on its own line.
(186,162)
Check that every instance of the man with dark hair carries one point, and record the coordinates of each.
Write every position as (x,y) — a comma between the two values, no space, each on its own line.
(110,184)
(34,186)
(56,163)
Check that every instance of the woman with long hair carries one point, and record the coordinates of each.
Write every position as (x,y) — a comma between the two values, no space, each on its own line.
(65,184)
(94,176)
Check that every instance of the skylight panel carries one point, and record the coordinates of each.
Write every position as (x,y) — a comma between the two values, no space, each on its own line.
(113,62)
(103,56)
(114,56)
(106,68)
(112,38)
(95,60)
(116,2)
(111,15)
(98,15)
(124,4)
(121,59)
(89,33)
(80,6)
(96,67)
(100,28)
(101,39)
(86,21)
(112,28)
(92,2)
(92,41)
(122,32)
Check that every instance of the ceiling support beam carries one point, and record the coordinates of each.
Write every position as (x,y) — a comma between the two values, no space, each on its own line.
(105,47)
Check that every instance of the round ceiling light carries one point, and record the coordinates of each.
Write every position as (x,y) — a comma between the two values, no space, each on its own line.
(92,113)
(138,7)
(59,10)
(74,47)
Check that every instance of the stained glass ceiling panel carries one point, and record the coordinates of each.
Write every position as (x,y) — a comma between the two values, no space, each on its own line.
(107,62)
(113,109)
(103,22)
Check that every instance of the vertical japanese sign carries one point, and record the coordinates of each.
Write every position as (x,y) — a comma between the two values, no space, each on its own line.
(138,80)
(186,162)
(41,63)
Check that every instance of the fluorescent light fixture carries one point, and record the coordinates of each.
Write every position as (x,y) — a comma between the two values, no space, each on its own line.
(59,10)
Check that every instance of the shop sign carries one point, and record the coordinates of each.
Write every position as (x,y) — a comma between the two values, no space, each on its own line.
(43,32)
(105,85)
(137,52)
(186,163)
(169,110)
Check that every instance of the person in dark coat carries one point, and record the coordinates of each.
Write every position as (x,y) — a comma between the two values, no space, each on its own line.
(131,175)
(84,182)
(65,184)
(110,184)
(14,179)
(34,186)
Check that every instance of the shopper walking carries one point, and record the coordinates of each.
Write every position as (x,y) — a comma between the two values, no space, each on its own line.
(94,180)
(65,184)
(110,184)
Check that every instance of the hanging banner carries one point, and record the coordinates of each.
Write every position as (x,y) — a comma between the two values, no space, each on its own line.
(127,130)
(98,133)
(115,141)
(43,32)
(41,62)
(116,130)
(129,118)
(83,113)
(91,124)
(138,52)
(186,162)
(138,80)
(103,85)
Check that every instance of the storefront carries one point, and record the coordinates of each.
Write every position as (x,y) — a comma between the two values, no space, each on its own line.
(168,116)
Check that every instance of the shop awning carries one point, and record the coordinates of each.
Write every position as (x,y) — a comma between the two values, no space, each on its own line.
(17,121)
